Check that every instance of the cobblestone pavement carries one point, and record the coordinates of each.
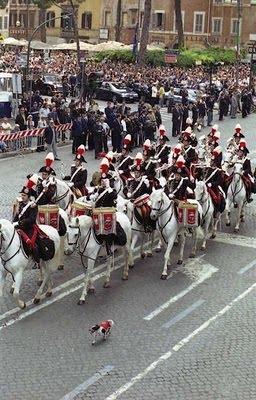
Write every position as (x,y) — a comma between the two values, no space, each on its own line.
(46,353)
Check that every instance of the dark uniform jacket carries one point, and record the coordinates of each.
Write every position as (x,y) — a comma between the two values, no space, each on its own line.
(79,179)
(214,176)
(124,164)
(138,187)
(107,198)
(150,168)
(178,188)
(247,167)
(190,156)
(47,197)
(28,219)
(162,152)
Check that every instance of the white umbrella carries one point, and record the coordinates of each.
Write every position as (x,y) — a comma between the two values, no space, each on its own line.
(10,41)
(111,45)
(37,45)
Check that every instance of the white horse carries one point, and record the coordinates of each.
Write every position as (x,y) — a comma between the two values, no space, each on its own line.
(14,260)
(227,160)
(204,199)
(236,195)
(63,195)
(81,235)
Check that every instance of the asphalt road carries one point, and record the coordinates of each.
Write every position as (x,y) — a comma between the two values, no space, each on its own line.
(190,337)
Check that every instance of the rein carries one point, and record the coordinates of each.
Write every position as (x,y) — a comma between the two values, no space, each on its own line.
(4,262)
(160,214)
(234,192)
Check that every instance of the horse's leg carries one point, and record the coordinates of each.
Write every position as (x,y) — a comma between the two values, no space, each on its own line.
(126,252)
(227,212)
(62,245)
(134,241)
(40,277)
(144,238)
(3,274)
(49,288)
(242,217)
(46,277)
(182,246)
(160,243)
(195,232)
(167,255)
(87,279)
(17,284)
(240,207)
(215,225)
(207,223)
(110,265)
(150,245)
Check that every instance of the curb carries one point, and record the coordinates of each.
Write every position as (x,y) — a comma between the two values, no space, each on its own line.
(12,154)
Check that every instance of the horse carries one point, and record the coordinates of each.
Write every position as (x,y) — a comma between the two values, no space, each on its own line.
(236,195)
(204,199)
(227,161)
(14,260)
(64,196)
(81,235)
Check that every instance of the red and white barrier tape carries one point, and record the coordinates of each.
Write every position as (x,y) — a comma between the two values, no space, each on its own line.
(33,132)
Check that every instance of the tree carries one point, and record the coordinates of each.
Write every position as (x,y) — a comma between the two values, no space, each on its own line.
(179,23)
(145,32)
(118,20)
(43,5)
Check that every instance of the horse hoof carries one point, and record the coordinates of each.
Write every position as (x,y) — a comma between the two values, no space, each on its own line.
(149,255)
(39,283)
(106,285)
(131,266)
(143,255)
(48,294)
(91,291)
(192,255)
(163,277)
(158,250)
(24,306)
(236,230)
(124,278)
(180,262)
(60,267)
(227,223)
(203,248)
(213,236)
(36,301)
(242,219)
(12,290)
(235,205)
(80,302)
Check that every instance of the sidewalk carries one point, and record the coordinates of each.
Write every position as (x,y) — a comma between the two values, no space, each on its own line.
(9,154)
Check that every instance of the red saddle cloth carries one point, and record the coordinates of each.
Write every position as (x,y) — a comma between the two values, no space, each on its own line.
(30,240)
(215,195)
(247,182)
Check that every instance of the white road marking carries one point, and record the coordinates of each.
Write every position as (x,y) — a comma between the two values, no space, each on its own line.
(178,346)
(237,240)
(27,313)
(247,267)
(183,314)
(207,271)
(93,379)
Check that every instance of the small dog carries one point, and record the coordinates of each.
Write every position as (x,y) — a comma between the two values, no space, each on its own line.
(103,329)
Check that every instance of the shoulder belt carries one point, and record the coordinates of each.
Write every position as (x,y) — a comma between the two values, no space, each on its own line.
(139,186)
(76,172)
(212,174)
(123,161)
(162,149)
(25,209)
(186,150)
(103,193)
(179,186)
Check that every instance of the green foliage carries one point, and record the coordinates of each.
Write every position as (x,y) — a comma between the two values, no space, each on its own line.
(44,4)
(186,59)
(3,3)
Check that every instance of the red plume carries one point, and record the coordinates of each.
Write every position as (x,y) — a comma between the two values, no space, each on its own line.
(32,181)
(80,150)
(49,159)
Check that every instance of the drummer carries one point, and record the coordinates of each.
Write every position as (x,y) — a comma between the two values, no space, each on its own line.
(78,175)
(46,187)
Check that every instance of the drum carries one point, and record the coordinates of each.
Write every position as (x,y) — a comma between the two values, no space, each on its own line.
(104,220)
(81,208)
(141,200)
(188,214)
(48,215)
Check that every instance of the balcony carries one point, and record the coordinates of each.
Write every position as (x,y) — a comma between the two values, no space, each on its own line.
(22,33)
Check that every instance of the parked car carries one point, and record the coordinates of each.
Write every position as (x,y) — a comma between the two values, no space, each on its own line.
(48,85)
(116,91)
(175,96)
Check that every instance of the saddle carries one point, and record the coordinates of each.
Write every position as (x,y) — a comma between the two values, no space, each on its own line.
(142,215)
(37,244)
(118,239)
(217,199)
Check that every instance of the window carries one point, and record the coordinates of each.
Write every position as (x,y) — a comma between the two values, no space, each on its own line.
(141,18)
(23,20)
(86,20)
(5,22)
(67,24)
(183,21)
(50,15)
(158,20)
(234,26)
(124,21)
(199,22)
(134,16)
(107,18)
(216,26)
(1,22)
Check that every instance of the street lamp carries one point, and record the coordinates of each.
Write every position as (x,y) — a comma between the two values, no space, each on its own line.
(31,38)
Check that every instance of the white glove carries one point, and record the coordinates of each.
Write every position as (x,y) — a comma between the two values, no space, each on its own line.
(146,181)
(192,180)
(120,171)
(71,184)
(209,184)
(129,195)
(171,196)
(15,224)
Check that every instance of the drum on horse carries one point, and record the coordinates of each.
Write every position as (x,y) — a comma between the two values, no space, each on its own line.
(236,195)
(14,260)
(81,235)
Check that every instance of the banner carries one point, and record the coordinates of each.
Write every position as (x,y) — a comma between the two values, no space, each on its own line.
(33,132)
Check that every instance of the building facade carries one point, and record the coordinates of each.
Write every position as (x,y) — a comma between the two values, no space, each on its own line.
(4,22)
(205,22)
(23,18)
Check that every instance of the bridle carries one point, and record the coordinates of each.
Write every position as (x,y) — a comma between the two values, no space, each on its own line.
(158,209)
(4,262)
(82,246)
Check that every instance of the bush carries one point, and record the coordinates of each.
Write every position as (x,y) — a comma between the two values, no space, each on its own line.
(186,59)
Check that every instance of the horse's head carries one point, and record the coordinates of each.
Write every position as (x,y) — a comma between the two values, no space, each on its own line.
(6,231)
(238,168)
(200,190)
(77,229)
(201,153)
(121,204)
(156,202)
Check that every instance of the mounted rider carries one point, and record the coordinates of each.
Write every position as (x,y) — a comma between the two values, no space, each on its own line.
(149,163)
(78,175)
(248,180)
(125,161)
(25,215)
(193,139)
(162,149)
(233,142)
(179,186)
(138,192)
(188,152)
(214,181)
(46,187)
